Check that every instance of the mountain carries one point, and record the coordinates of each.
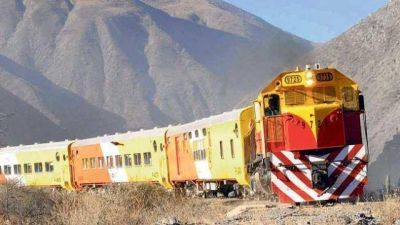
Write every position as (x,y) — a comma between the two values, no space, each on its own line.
(370,53)
(81,68)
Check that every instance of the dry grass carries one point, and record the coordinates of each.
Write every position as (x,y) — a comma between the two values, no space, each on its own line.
(389,211)
(133,204)
(119,204)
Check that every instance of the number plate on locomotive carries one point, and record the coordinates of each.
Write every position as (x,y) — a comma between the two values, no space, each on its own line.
(324,77)
(293,79)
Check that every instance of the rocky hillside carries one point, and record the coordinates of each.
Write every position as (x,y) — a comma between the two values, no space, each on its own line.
(79,68)
(370,53)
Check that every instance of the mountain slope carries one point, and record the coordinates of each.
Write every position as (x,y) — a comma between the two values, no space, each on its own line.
(98,66)
(370,52)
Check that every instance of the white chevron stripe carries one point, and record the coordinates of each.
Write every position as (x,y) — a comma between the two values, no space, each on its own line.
(342,177)
(299,164)
(285,189)
(353,185)
(334,165)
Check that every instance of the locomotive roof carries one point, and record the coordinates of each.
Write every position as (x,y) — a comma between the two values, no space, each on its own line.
(272,84)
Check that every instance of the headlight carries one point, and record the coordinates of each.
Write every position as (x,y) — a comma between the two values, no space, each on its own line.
(309,82)
(309,75)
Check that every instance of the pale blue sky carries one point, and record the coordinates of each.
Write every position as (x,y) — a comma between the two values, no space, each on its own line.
(315,20)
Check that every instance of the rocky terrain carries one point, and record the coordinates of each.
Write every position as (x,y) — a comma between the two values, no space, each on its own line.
(370,53)
(80,68)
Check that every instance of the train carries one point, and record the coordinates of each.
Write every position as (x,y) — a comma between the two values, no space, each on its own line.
(301,141)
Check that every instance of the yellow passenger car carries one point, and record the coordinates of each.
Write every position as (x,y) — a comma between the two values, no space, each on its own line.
(36,165)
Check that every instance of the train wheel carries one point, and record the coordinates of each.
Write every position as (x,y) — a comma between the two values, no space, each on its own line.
(261,185)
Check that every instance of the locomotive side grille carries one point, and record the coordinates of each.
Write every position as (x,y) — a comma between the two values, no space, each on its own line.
(295,97)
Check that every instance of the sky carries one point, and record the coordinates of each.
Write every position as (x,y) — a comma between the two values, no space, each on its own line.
(314,20)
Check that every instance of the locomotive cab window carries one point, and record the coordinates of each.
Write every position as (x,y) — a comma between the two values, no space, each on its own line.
(272,105)
(349,99)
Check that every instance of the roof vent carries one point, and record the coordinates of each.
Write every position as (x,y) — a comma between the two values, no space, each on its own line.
(297,68)
(317,66)
(308,67)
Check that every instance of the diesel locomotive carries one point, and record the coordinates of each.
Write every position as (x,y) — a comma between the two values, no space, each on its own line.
(301,141)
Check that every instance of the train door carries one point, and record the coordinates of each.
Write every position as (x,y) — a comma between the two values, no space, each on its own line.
(273,123)
(179,148)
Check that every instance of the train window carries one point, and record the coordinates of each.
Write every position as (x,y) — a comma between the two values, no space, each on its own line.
(349,98)
(64,157)
(232,149)
(272,105)
(92,162)
(27,168)
(110,161)
(203,154)
(7,169)
(236,130)
(155,146)
(137,159)
(85,163)
(17,169)
(295,96)
(147,158)
(49,167)
(128,160)
(199,154)
(161,147)
(221,150)
(190,135)
(38,167)
(324,94)
(100,162)
(348,94)
(204,132)
(58,157)
(196,133)
(118,161)
(1,170)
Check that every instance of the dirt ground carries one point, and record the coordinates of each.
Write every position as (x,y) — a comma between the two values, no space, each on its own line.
(251,212)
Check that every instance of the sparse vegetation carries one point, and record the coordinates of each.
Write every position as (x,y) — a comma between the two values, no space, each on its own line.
(120,204)
(151,204)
